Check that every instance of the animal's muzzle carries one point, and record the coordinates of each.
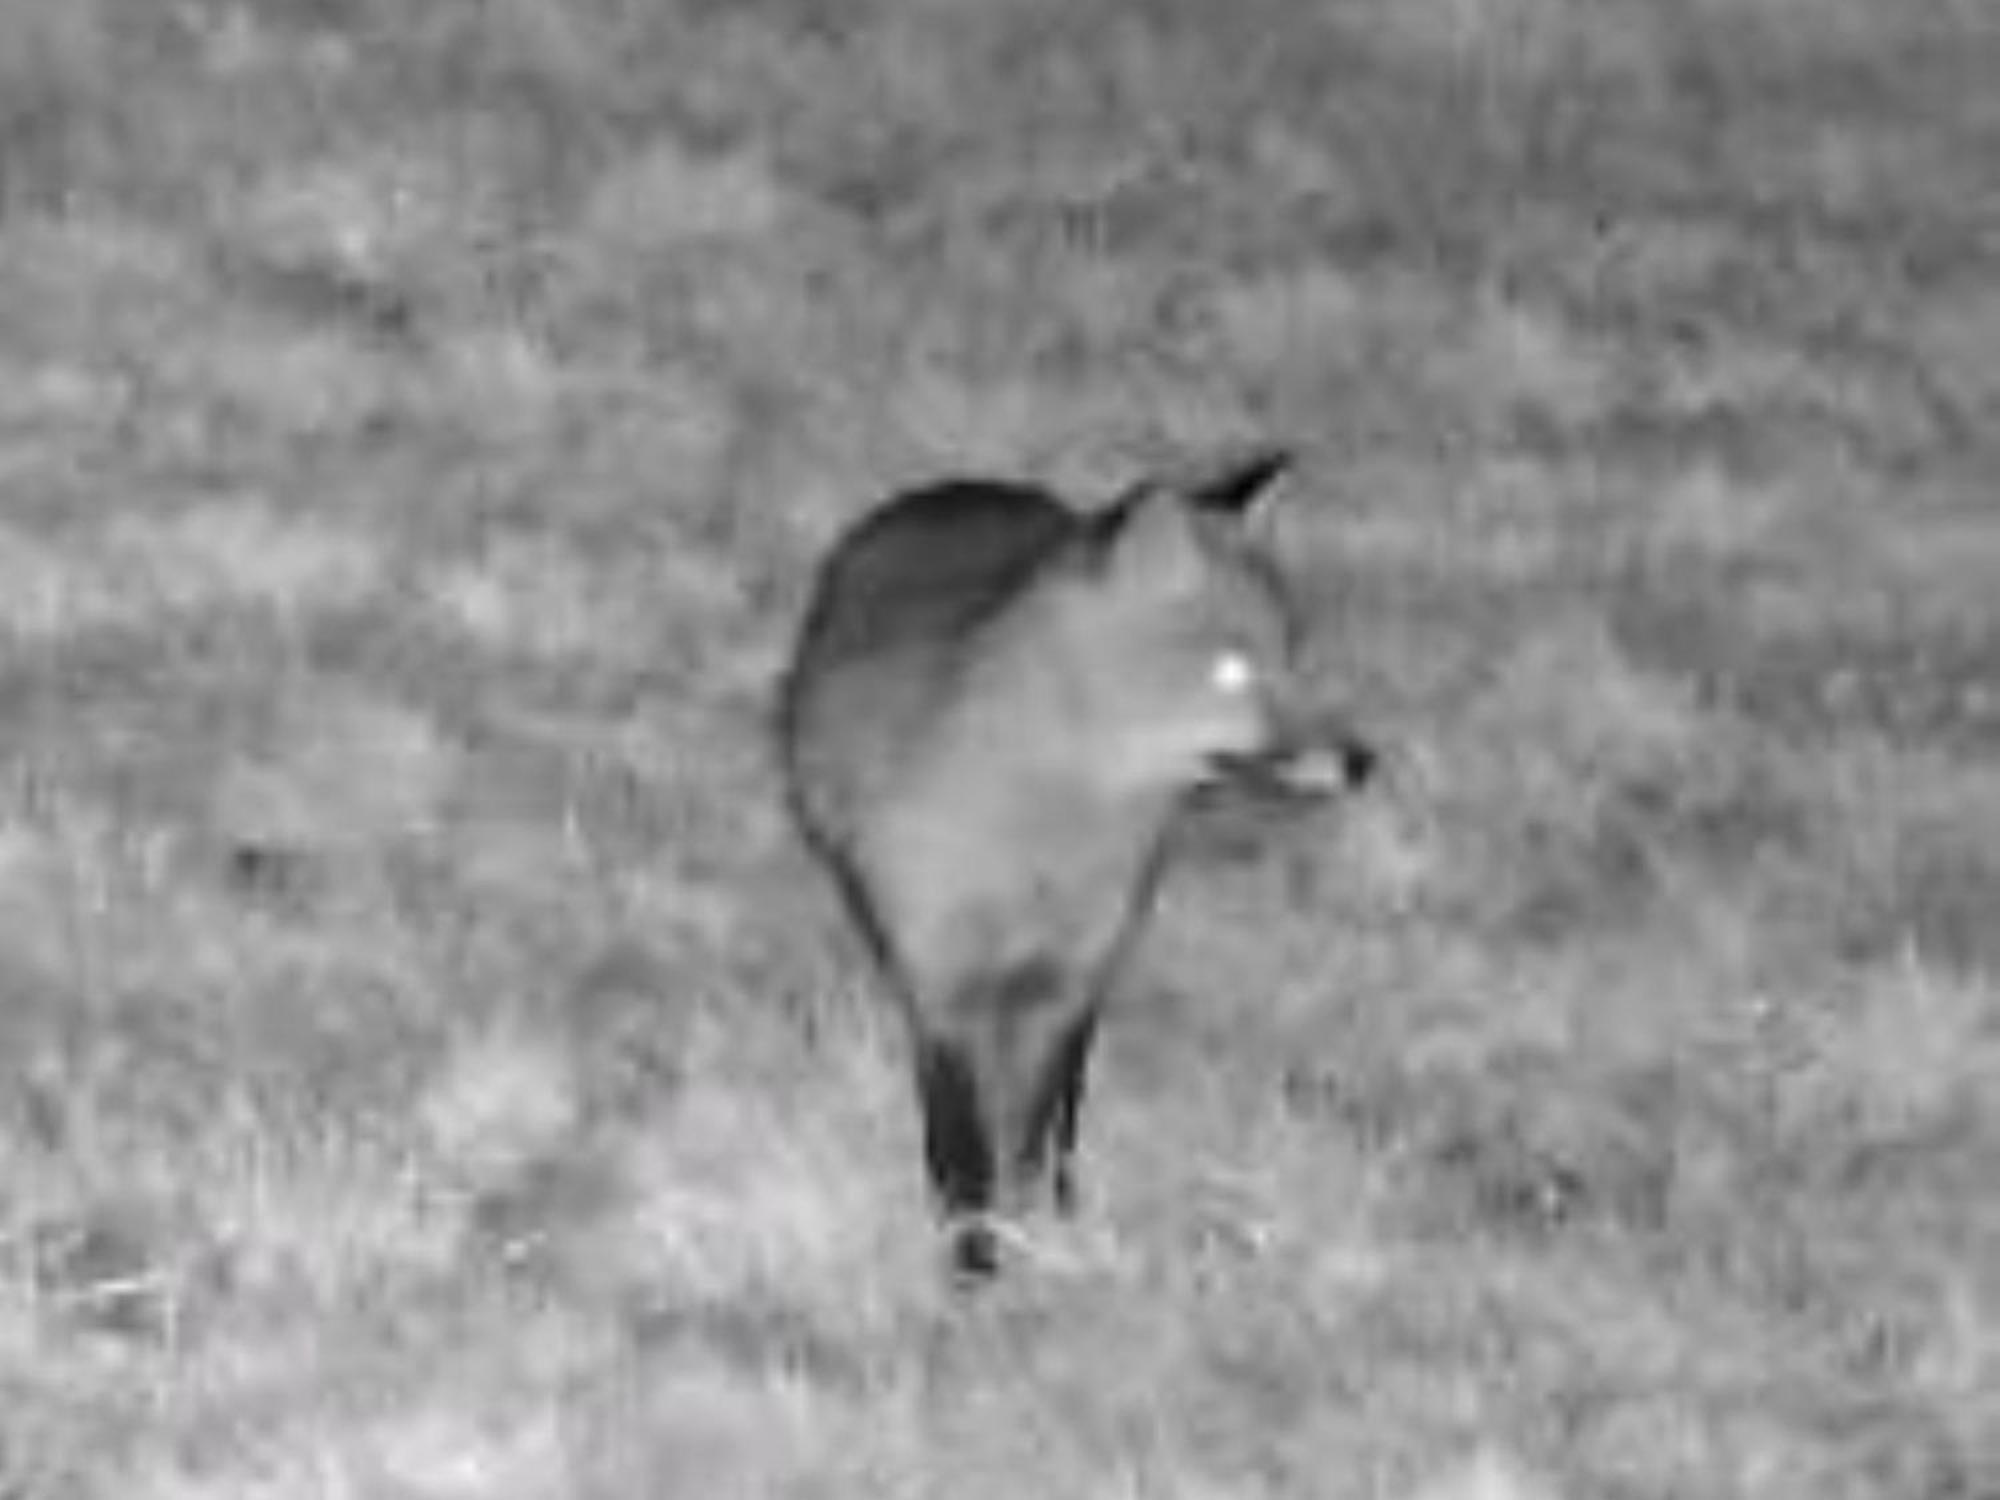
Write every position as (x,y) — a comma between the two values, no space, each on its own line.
(1305,768)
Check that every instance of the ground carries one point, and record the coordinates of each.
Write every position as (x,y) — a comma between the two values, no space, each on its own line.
(428,1068)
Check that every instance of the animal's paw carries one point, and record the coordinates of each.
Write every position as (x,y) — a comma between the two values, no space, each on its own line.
(980,1246)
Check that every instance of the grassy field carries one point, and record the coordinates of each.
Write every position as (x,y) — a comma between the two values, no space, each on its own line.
(429,1072)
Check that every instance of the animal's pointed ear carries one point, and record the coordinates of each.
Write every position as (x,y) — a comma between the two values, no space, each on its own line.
(1156,544)
(1235,486)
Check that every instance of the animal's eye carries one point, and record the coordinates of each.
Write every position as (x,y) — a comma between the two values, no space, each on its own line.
(1232,672)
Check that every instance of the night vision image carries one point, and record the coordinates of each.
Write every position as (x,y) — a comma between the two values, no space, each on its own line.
(999,750)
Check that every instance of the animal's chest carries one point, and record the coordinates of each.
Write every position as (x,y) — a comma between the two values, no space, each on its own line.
(1035,870)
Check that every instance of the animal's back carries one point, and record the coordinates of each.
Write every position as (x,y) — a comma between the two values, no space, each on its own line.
(896,617)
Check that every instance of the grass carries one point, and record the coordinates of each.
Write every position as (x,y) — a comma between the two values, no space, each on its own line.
(427,1069)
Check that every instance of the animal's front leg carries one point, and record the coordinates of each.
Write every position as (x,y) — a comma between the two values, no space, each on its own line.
(998,1095)
(1063,1105)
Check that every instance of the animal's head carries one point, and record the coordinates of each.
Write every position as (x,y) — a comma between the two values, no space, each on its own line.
(1193,640)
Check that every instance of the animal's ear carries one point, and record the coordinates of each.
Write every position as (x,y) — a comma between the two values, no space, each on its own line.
(1234,487)
(1157,544)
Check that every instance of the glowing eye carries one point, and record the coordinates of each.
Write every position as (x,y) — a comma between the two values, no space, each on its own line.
(1232,672)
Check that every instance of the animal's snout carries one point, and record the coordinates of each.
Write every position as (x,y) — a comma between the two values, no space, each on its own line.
(1323,767)
(1318,763)
(1326,770)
